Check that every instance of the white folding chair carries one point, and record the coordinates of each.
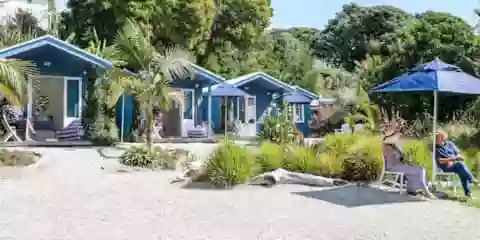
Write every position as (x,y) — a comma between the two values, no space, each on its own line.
(397,178)
(449,177)
(11,132)
(237,128)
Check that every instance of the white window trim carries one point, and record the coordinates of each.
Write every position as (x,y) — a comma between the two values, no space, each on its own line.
(193,102)
(302,113)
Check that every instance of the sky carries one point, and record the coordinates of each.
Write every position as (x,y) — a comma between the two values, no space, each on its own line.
(316,13)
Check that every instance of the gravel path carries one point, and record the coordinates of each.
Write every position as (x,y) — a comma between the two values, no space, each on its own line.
(67,196)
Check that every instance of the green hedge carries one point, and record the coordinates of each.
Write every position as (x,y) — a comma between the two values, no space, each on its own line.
(352,157)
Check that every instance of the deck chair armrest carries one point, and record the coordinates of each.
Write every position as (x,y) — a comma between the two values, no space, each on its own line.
(394,173)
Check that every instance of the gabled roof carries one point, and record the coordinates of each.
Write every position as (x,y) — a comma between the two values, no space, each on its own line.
(80,53)
(240,81)
(208,74)
(306,92)
(57,43)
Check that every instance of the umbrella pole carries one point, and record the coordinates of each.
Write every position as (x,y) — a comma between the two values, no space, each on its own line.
(122,127)
(225,116)
(434,130)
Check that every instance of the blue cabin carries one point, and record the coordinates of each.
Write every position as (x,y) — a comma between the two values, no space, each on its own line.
(63,74)
(264,91)
(63,78)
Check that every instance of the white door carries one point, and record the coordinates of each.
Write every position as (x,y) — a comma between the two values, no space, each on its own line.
(251,115)
(72,104)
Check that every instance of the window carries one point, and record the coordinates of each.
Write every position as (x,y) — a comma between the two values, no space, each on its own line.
(290,112)
(251,101)
(299,113)
(296,113)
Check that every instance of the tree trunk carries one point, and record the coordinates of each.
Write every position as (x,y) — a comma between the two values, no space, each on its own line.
(52,18)
(149,127)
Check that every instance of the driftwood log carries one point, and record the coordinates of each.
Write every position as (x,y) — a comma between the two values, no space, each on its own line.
(282,176)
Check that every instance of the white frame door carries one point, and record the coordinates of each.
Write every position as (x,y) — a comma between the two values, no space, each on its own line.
(251,109)
(78,108)
(251,113)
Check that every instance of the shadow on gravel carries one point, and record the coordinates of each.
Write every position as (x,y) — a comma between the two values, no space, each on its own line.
(199,186)
(353,196)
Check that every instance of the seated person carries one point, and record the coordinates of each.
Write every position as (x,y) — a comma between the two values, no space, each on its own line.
(449,160)
(394,161)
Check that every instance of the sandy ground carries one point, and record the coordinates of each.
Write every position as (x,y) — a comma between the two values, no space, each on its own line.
(68,196)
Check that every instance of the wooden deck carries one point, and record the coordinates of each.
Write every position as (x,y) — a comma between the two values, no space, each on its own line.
(186,140)
(84,143)
(47,144)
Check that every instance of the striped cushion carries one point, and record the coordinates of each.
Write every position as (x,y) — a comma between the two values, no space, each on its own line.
(197,133)
(73,131)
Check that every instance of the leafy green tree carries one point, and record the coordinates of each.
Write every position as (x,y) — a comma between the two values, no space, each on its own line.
(430,35)
(349,37)
(200,26)
(304,34)
(239,22)
(294,57)
(84,17)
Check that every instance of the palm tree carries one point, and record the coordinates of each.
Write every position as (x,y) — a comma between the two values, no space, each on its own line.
(156,71)
(14,76)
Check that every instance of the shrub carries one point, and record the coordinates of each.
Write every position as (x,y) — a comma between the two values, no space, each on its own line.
(418,152)
(141,156)
(363,160)
(329,165)
(17,158)
(103,131)
(270,157)
(277,129)
(229,165)
(354,157)
(300,159)
(338,144)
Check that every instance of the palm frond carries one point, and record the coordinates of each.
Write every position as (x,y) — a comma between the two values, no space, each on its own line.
(117,84)
(70,38)
(111,53)
(14,76)
(174,63)
(134,45)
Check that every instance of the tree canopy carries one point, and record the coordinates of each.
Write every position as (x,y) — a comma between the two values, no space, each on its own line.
(367,45)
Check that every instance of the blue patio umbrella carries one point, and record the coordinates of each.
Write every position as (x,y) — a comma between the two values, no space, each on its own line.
(224,90)
(436,77)
(296,98)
